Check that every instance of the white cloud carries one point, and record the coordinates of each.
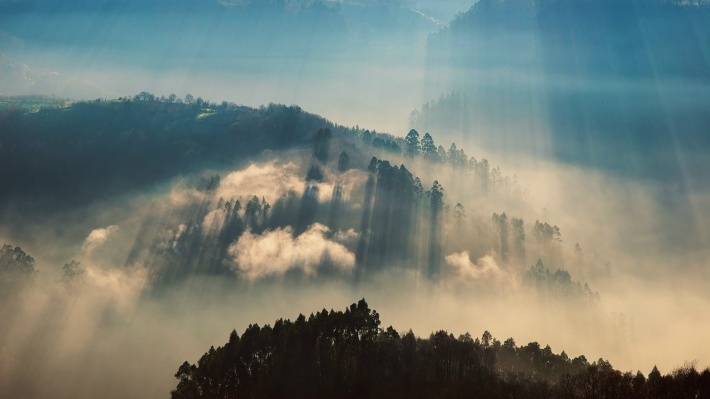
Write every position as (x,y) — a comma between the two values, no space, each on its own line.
(348,236)
(271,180)
(97,237)
(214,218)
(180,196)
(484,270)
(118,287)
(267,180)
(348,181)
(276,252)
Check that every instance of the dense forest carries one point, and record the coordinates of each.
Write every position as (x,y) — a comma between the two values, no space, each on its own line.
(350,355)
(63,156)
(97,149)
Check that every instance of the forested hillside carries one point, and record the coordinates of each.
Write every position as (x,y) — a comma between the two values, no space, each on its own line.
(68,156)
(350,355)
(88,150)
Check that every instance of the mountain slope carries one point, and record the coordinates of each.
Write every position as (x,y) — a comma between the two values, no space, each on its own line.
(91,150)
(619,85)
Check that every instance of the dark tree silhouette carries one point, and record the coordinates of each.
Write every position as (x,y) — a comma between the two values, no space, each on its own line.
(517,234)
(321,144)
(347,354)
(412,140)
(436,202)
(73,271)
(429,148)
(343,162)
(17,269)
(559,284)
(314,174)
(501,224)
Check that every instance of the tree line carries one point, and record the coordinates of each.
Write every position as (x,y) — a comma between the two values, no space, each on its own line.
(480,171)
(63,157)
(348,354)
(19,272)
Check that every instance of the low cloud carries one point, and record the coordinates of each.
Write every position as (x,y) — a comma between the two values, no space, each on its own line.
(214,219)
(276,252)
(118,287)
(97,237)
(348,236)
(485,270)
(348,182)
(267,180)
(181,196)
(271,180)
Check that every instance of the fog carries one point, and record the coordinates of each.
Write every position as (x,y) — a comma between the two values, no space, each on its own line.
(122,331)
(615,160)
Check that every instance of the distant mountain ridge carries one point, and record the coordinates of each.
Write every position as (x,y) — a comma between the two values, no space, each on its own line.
(219,34)
(627,37)
(614,84)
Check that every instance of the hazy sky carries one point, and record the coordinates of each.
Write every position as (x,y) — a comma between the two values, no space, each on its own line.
(355,64)
(116,334)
